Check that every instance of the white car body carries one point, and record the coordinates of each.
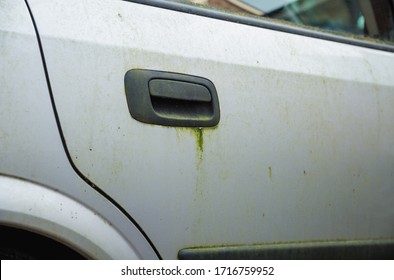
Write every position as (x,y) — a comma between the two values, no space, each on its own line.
(303,152)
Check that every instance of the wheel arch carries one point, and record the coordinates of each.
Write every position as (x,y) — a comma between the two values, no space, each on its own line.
(43,210)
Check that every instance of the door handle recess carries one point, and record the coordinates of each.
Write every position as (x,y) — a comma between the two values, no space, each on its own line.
(179,90)
(171,99)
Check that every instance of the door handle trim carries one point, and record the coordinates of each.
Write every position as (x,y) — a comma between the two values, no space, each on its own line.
(171,99)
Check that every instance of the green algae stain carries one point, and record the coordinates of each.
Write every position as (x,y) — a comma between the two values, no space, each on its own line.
(270,172)
(199,134)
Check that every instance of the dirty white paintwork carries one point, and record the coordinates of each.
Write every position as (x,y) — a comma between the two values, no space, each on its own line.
(46,211)
(304,149)
(31,149)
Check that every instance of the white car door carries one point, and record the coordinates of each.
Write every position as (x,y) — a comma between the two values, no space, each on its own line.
(282,137)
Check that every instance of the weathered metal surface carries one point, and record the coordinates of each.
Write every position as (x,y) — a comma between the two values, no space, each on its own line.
(304,149)
(31,148)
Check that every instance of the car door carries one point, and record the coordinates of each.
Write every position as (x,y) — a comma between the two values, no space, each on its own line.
(288,138)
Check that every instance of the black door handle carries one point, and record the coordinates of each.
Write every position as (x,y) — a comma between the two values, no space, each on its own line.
(171,99)
(179,90)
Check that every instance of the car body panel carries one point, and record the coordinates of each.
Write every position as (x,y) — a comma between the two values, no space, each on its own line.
(304,150)
(45,211)
(34,167)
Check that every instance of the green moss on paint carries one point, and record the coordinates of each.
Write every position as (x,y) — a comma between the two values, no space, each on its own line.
(270,172)
(199,134)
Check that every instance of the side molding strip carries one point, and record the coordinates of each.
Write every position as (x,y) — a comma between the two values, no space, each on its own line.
(328,250)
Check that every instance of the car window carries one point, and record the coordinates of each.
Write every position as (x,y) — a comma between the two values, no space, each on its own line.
(361,18)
